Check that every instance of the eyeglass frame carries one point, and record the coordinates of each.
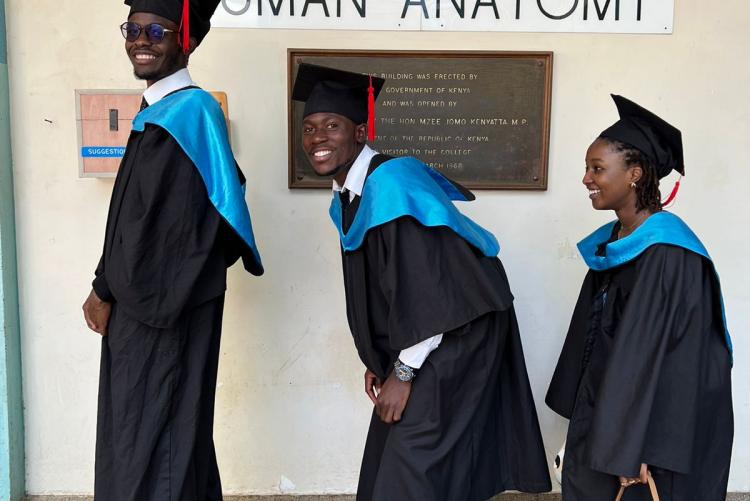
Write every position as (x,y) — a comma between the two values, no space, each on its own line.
(143,29)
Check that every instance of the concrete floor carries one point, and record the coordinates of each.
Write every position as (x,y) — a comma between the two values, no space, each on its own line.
(503,497)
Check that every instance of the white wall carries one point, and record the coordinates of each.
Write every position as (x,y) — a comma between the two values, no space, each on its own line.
(290,401)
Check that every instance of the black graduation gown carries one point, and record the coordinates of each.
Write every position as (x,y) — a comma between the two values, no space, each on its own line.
(644,377)
(470,428)
(164,269)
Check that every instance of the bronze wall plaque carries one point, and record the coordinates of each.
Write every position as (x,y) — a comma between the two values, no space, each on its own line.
(481,118)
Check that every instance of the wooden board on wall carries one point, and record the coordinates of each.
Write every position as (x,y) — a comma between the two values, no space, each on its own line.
(104,120)
(481,118)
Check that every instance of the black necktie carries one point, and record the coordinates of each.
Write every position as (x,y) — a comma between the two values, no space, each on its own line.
(144,104)
(344,199)
(346,219)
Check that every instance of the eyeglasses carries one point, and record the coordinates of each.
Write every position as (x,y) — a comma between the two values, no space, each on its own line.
(154,32)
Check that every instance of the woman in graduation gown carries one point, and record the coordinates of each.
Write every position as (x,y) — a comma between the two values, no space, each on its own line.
(644,374)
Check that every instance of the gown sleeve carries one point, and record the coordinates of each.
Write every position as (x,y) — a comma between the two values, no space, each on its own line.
(434,281)
(647,403)
(164,235)
(100,286)
(563,388)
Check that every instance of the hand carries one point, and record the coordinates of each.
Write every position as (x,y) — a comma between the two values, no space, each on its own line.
(96,312)
(642,478)
(392,399)
(372,386)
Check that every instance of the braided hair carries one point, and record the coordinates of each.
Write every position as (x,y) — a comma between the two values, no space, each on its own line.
(647,192)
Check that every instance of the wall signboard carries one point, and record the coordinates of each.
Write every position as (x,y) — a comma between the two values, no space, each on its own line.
(572,16)
(481,118)
(104,120)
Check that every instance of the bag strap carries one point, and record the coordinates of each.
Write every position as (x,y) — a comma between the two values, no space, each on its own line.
(651,486)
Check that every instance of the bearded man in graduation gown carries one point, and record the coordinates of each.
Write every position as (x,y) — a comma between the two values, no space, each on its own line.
(430,310)
(177,220)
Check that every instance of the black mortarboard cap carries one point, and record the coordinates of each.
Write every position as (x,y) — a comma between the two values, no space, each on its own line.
(329,90)
(199,13)
(655,138)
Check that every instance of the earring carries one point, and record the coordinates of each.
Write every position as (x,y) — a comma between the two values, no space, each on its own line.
(632,184)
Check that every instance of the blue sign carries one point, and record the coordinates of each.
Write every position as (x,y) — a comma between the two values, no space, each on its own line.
(102,151)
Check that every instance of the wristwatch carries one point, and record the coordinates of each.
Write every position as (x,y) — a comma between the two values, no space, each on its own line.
(404,372)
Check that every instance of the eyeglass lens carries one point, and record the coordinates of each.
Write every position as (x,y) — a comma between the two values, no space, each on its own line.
(154,32)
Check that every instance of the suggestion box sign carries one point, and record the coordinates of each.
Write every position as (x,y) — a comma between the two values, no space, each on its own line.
(584,16)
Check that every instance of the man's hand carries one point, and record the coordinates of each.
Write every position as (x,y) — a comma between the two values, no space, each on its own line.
(96,312)
(642,478)
(392,399)
(372,386)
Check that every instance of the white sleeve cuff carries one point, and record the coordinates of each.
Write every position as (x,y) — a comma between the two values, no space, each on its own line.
(414,356)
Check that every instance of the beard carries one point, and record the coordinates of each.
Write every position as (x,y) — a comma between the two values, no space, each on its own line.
(335,170)
(170,65)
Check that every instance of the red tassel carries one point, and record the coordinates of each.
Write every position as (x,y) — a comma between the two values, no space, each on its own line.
(371,112)
(672,195)
(186,27)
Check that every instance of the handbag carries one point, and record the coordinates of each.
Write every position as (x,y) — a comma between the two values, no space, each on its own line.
(651,486)
(557,464)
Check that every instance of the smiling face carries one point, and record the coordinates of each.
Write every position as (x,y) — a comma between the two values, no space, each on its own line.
(331,142)
(608,178)
(154,61)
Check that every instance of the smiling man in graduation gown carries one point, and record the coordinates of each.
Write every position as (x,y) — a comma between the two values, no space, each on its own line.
(177,220)
(430,311)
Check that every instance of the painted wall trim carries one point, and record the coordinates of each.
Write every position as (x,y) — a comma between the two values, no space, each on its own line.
(12,459)
(3,38)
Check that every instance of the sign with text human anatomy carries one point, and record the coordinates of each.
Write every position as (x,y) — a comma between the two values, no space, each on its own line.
(584,16)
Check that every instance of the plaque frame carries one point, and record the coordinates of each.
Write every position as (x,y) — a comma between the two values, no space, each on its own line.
(539,182)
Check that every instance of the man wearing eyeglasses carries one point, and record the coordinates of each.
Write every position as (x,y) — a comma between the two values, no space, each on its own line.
(177,220)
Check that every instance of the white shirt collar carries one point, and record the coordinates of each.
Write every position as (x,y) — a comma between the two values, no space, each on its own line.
(355,179)
(176,81)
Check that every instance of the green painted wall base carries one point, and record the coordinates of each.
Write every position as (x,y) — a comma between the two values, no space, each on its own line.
(12,472)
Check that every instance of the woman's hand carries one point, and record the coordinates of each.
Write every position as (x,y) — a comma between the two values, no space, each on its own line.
(641,479)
